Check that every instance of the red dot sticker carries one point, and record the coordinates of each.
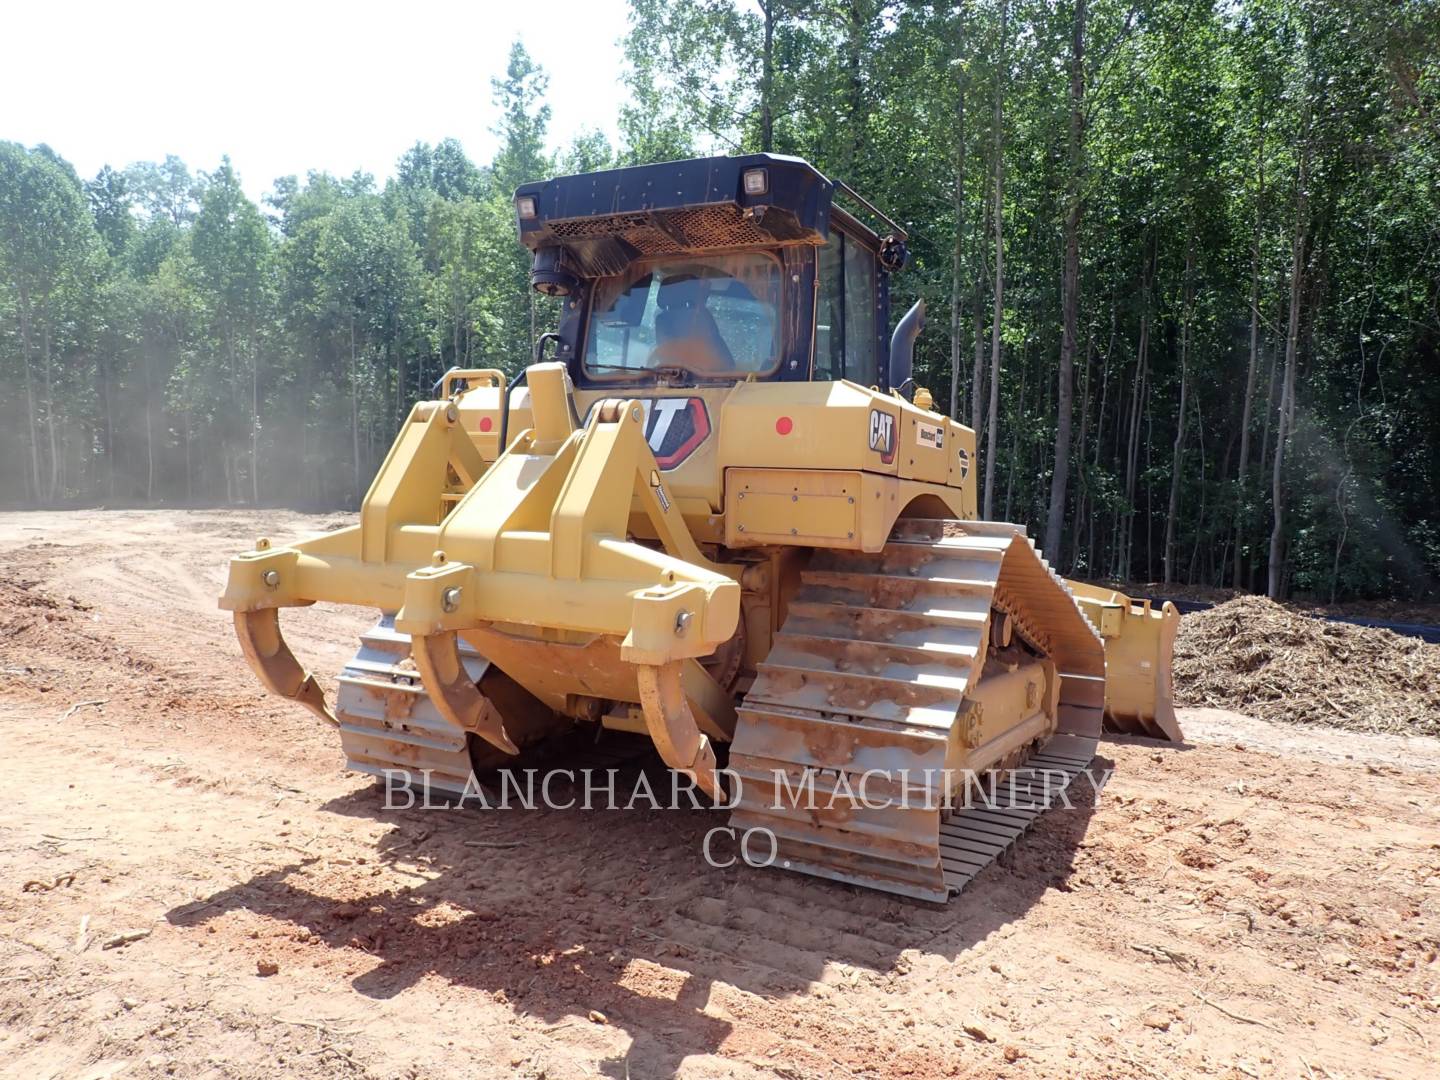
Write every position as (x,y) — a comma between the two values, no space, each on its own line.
(784,425)
(486,423)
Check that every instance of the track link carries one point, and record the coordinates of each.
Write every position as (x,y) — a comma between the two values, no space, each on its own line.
(867,677)
(389,724)
(974,836)
(387,720)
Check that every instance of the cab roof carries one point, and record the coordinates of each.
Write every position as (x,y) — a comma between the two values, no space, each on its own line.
(605,220)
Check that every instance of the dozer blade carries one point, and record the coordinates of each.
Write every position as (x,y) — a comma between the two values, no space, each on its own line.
(1139,654)
(893,680)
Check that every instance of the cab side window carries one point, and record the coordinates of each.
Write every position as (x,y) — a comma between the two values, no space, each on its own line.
(845,312)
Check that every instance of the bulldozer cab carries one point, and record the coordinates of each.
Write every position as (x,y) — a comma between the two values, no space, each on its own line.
(709,272)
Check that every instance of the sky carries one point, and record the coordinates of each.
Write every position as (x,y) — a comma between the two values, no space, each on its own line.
(289,87)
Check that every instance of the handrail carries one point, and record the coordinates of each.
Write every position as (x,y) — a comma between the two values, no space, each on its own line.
(495,377)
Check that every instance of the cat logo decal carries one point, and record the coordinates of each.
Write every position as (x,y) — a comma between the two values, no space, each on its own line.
(882,435)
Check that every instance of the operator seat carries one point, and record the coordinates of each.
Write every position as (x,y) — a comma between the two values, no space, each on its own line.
(686,334)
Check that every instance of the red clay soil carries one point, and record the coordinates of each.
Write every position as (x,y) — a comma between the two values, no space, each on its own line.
(191,886)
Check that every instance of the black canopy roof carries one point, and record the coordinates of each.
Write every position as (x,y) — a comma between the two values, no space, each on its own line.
(605,220)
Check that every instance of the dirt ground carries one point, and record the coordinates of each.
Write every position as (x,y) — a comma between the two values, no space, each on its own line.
(1261,901)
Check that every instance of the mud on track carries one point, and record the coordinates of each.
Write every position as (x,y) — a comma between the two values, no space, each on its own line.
(1259,902)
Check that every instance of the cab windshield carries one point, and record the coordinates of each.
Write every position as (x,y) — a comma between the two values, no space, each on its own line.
(709,315)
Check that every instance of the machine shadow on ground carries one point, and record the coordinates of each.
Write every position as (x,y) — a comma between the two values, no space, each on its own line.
(561,912)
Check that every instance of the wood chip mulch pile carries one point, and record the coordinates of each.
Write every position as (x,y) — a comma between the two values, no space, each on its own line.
(1254,656)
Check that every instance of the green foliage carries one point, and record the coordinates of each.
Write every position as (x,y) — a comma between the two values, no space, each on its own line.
(1195,115)
(167,339)
(50,257)
(166,189)
(524,117)
(161,337)
(111,203)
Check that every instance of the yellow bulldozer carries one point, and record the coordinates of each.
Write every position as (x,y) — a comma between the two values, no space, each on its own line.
(715,509)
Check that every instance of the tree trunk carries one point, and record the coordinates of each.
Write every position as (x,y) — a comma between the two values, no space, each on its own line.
(1344,514)
(1286,418)
(26,353)
(1216,568)
(767,79)
(1090,559)
(854,105)
(150,429)
(1242,470)
(45,360)
(1085,502)
(977,381)
(1138,401)
(228,446)
(189,482)
(354,413)
(108,395)
(1077,522)
(1200,517)
(457,315)
(254,425)
(189,427)
(1069,291)
(1178,459)
(1015,440)
(1149,488)
(957,314)
(998,316)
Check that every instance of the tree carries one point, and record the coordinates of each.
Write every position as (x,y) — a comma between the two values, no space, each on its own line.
(165,190)
(524,118)
(112,206)
(957,284)
(233,258)
(1069,288)
(48,252)
(370,282)
(998,219)
(1172,322)
(1286,421)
